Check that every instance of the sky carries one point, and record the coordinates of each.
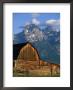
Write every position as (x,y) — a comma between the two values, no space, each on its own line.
(22,19)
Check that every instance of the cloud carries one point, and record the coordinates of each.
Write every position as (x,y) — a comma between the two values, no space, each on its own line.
(34,15)
(35,21)
(53,22)
(27,23)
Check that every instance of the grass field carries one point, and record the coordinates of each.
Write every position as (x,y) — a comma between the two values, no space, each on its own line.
(35,73)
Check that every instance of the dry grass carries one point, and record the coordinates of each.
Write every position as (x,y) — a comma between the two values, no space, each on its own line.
(35,73)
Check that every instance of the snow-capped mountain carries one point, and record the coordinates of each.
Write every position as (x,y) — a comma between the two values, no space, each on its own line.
(46,40)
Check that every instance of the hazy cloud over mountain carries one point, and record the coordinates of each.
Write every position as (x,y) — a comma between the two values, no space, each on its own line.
(52,22)
(35,21)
